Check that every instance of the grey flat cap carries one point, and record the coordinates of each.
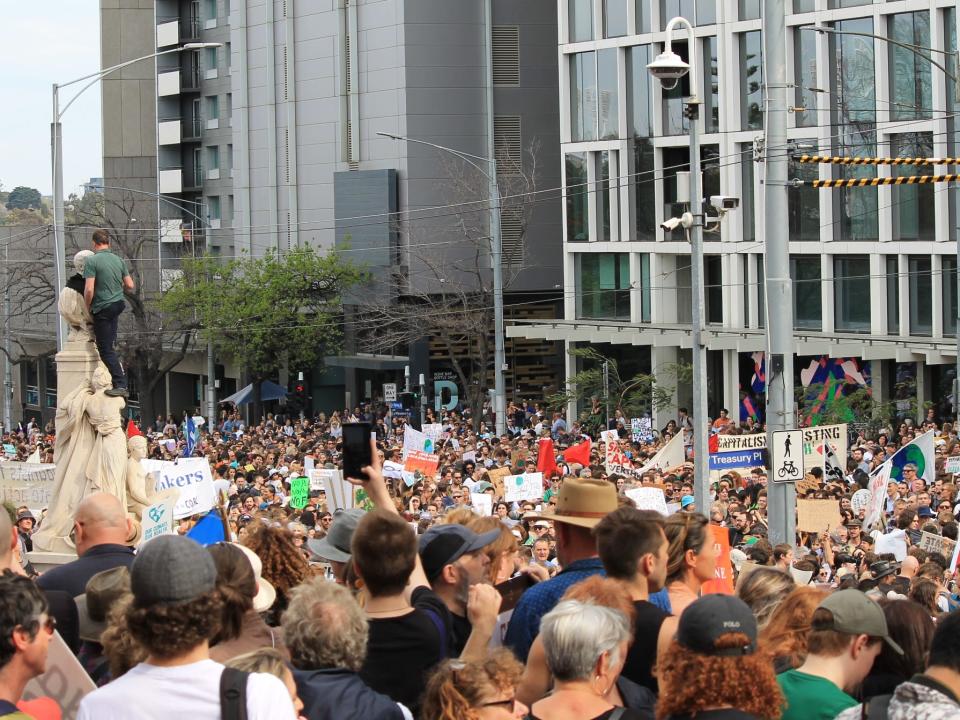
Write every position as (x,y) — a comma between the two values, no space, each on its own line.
(171,569)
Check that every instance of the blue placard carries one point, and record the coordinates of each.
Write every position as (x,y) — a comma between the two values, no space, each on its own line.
(739,459)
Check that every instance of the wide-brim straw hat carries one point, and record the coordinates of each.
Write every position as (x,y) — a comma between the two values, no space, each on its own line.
(584,502)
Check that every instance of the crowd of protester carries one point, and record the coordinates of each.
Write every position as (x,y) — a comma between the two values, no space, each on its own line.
(414,604)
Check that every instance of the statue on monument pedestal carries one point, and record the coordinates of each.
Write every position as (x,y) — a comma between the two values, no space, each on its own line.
(72,306)
(141,485)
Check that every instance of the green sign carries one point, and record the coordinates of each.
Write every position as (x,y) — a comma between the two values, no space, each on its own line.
(299,492)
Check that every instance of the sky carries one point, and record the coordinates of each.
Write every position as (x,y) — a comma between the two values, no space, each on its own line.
(43,42)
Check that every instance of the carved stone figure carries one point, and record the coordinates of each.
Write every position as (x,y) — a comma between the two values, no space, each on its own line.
(72,306)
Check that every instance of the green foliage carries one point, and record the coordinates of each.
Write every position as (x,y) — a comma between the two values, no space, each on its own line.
(23,217)
(633,396)
(265,312)
(24,198)
(86,209)
(858,407)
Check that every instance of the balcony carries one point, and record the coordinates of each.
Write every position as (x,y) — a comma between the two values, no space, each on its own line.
(170,181)
(168,132)
(168,83)
(168,33)
(191,129)
(190,30)
(193,179)
(190,80)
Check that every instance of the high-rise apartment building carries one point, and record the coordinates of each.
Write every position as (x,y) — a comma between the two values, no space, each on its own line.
(874,268)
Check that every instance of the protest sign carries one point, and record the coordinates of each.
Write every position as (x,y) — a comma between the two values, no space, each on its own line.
(64,680)
(952,465)
(299,492)
(609,436)
(157,520)
(814,438)
(893,542)
(321,477)
(470,456)
(29,484)
(497,476)
(953,559)
(817,516)
(192,477)
(860,501)
(673,508)
(878,495)
(341,493)
(482,503)
(433,431)
(801,577)
(738,443)
(641,430)
(415,440)
(309,463)
(9,450)
(419,465)
(649,498)
(510,592)
(934,543)
(723,582)
(528,486)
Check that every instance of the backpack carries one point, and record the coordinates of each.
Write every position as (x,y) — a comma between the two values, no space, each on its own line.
(233,694)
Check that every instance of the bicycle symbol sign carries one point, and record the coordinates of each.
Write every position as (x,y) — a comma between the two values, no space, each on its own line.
(787,456)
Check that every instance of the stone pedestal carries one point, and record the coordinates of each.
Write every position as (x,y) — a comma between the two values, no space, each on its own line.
(75,364)
(43,561)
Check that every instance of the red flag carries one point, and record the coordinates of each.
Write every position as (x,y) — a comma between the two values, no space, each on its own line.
(578,453)
(132,430)
(547,458)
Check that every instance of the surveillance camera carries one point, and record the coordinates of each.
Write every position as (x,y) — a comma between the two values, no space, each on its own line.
(670,225)
(724,202)
(668,68)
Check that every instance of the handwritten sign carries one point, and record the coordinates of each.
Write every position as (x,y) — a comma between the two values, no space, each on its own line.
(934,543)
(649,498)
(321,477)
(952,465)
(813,439)
(817,516)
(497,477)
(29,484)
(299,492)
(482,503)
(641,430)
(418,466)
(157,520)
(736,443)
(192,477)
(528,486)
(860,501)
(878,495)
(723,582)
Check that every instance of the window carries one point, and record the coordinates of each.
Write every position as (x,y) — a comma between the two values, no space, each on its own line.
(646,214)
(711,85)
(605,212)
(213,207)
(675,159)
(674,123)
(761,293)
(580,14)
(227,49)
(710,183)
(805,71)
(230,159)
(211,9)
(948,266)
(699,12)
(851,293)
(854,56)
(578,217)
(211,58)
(921,294)
(836,4)
(747,205)
(804,6)
(213,107)
(614,18)
(643,16)
(229,107)
(713,288)
(645,287)
(608,112)
(603,286)
(583,96)
(640,94)
(804,204)
(213,157)
(807,300)
(910,88)
(913,212)
(228,212)
(684,292)
(751,70)
(893,294)
(750,9)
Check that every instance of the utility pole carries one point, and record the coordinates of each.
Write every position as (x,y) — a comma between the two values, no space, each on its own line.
(7,363)
(779,289)
(211,388)
(606,390)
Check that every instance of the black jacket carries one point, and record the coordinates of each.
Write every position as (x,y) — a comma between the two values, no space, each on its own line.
(336,694)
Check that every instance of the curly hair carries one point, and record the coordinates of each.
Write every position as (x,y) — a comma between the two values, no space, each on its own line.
(119,646)
(284,566)
(455,688)
(21,605)
(691,682)
(786,631)
(324,627)
(166,631)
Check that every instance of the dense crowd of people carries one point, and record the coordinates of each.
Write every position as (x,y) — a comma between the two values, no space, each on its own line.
(420,601)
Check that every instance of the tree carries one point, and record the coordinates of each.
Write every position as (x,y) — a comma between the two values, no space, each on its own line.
(266,313)
(23,217)
(24,198)
(632,396)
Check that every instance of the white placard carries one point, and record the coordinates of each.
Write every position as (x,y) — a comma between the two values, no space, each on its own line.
(952,465)
(893,542)
(320,478)
(528,486)
(860,501)
(415,440)
(157,520)
(192,477)
(482,503)
(434,431)
(878,495)
(649,498)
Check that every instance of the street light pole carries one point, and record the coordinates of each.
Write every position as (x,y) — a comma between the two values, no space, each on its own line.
(56,147)
(496,243)
(692,113)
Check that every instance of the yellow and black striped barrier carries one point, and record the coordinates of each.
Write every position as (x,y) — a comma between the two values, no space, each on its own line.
(846,160)
(873,182)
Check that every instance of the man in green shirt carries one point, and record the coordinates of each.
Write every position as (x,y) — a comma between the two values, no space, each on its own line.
(845,637)
(105,279)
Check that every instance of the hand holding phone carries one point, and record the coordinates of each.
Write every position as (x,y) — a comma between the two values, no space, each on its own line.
(357,450)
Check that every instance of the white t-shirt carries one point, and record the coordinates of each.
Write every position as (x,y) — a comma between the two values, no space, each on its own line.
(188,691)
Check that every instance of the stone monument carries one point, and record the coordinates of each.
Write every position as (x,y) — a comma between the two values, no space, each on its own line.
(90,452)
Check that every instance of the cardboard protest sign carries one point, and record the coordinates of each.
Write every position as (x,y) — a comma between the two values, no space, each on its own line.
(723,582)
(192,477)
(952,465)
(528,486)
(860,501)
(433,431)
(29,484)
(299,492)
(510,592)
(933,543)
(482,503)
(418,466)
(64,680)
(497,476)
(649,498)
(157,520)
(817,516)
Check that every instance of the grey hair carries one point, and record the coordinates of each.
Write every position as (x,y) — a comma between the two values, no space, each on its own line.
(575,634)
(324,627)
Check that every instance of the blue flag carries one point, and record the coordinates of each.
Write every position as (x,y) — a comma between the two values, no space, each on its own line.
(208,530)
(193,436)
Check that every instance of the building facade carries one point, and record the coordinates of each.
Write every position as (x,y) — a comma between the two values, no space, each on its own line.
(873,268)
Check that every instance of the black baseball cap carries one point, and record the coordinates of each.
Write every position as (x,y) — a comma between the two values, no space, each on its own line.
(445,544)
(711,616)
